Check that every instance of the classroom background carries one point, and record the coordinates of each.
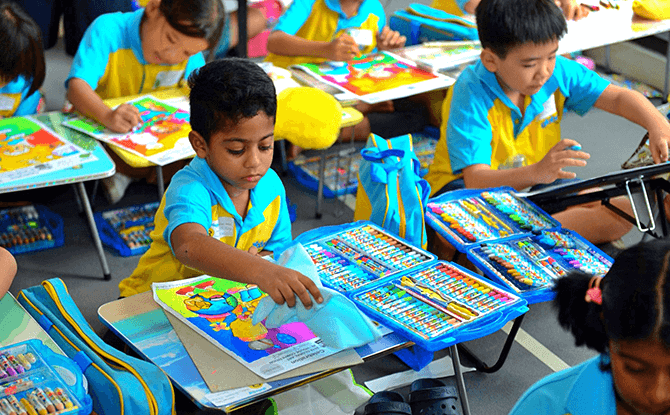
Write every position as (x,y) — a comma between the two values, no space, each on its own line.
(541,347)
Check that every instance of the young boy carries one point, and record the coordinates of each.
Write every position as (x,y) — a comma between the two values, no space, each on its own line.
(313,31)
(501,120)
(227,205)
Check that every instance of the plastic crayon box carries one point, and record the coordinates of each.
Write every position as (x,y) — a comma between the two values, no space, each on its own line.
(29,229)
(36,380)
(350,256)
(530,264)
(465,217)
(127,230)
(439,305)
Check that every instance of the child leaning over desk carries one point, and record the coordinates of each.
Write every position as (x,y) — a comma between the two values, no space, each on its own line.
(625,317)
(227,205)
(501,119)
(124,54)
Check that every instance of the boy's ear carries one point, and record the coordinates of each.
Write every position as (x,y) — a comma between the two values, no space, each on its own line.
(152,7)
(198,143)
(489,60)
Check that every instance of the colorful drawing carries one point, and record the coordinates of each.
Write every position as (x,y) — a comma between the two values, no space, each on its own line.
(377,77)
(161,138)
(434,56)
(28,148)
(221,311)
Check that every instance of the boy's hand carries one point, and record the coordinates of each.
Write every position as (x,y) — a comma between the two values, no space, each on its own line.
(343,48)
(123,119)
(282,284)
(390,39)
(658,144)
(572,9)
(561,155)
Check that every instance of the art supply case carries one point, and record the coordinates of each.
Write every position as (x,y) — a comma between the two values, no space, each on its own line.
(30,228)
(530,264)
(35,375)
(471,216)
(439,305)
(127,230)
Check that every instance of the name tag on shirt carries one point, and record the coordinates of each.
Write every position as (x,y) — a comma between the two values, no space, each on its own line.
(167,78)
(224,227)
(549,108)
(6,103)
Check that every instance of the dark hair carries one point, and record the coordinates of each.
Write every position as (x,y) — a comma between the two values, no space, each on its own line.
(196,18)
(22,51)
(634,296)
(227,90)
(504,24)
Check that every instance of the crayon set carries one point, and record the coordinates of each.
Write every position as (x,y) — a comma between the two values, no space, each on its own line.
(127,230)
(30,228)
(435,304)
(466,217)
(348,259)
(29,385)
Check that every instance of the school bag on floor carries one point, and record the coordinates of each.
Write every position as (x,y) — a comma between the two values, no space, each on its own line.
(391,192)
(420,24)
(119,384)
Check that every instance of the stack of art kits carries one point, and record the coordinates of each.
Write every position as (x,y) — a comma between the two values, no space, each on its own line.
(30,228)
(127,230)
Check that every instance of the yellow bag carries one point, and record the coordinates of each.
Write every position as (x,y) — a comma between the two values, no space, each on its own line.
(652,9)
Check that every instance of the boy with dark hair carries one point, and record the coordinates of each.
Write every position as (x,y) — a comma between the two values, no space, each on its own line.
(227,205)
(501,119)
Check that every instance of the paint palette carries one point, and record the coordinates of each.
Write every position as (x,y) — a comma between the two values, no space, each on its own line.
(127,230)
(350,256)
(530,264)
(439,305)
(29,229)
(466,217)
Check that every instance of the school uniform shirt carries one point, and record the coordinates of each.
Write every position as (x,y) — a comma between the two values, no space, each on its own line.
(580,390)
(480,125)
(454,7)
(324,20)
(14,98)
(196,195)
(111,61)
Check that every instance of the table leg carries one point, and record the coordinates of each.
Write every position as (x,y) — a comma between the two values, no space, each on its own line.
(242,28)
(483,367)
(456,361)
(666,84)
(94,230)
(160,182)
(319,195)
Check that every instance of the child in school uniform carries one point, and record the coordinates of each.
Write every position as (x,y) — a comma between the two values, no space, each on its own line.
(501,119)
(625,318)
(22,67)
(314,31)
(125,54)
(7,270)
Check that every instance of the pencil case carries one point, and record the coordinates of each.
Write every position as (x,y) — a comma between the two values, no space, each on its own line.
(127,230)
(118,383)
(420,23)
(35,379)
(30,228)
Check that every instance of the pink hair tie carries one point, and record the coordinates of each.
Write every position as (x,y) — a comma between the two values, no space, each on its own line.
(594,294)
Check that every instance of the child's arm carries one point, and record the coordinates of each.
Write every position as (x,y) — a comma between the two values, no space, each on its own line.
(546,170)
(390,39)
(194,248)
(86,101)
(633,106)
(7,270)
(342,48)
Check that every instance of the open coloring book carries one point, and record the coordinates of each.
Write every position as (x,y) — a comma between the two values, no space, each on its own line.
(221,310)
(161,138)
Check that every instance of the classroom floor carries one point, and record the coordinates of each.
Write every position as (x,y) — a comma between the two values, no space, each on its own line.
(541,346)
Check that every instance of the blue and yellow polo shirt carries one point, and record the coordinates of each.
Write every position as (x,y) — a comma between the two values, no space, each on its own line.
(324,20)
(196,195)
(14,99)
(111,61)
(580,390)
(480,125)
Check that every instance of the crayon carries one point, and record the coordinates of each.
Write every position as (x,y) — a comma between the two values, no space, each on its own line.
(60,393)
(37,404)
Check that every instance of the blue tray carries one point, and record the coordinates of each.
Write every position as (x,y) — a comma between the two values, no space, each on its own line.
(127,230)
(471,216)
(30,229)
(538,260)
(439,305)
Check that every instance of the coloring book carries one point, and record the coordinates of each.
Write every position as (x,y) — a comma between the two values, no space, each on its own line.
(28,148)
(436,56)
(221,310)
(161,138)
(376,77)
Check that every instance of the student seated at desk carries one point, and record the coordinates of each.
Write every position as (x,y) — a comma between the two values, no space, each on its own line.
(22,67)
(314,31)
(227,205)
(501,119)
(125,54)
(625,317)
(7,270)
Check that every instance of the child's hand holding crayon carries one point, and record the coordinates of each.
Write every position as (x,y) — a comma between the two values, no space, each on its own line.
(565,153)
(343,48)
(122,119)
(390,39)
